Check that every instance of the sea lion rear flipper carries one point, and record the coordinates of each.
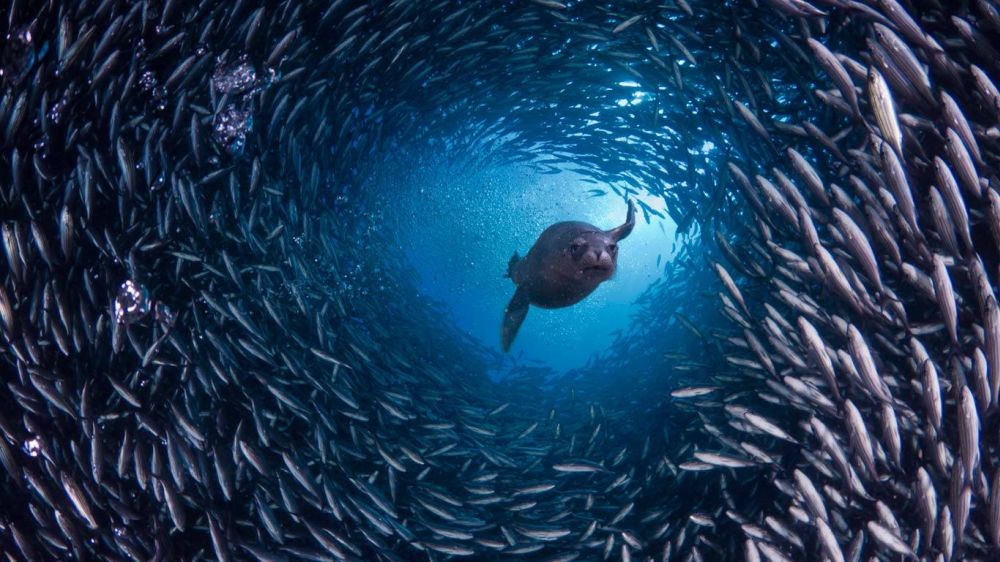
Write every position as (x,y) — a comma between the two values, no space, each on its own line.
(513,316)
(619,233)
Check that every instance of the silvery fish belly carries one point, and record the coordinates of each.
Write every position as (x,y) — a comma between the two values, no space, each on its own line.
(217,343)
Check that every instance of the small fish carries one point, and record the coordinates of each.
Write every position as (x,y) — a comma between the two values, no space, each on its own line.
(722,460)
(693,392)
(881,101)
(889,539)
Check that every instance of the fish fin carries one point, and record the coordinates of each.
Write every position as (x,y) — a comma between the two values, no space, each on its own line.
(514,260)
(513,316)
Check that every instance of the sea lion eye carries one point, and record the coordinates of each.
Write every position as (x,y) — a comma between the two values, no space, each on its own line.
(613,248)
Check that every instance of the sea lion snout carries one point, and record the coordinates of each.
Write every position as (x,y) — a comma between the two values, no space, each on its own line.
(598,259)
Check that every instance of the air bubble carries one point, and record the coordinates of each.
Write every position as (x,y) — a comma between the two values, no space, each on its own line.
(231,127)
(132,302)
(33,446)
(56,111)
(148,81)
(234,79)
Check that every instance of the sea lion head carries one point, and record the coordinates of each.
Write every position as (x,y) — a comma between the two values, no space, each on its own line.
(590,255)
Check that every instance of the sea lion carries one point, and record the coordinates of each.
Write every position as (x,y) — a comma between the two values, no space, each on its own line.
(567,262)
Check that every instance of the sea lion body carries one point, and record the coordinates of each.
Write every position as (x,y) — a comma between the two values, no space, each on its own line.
(566,263)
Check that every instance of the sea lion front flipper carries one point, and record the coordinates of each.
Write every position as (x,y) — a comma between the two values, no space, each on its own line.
(513,316)
(512,265)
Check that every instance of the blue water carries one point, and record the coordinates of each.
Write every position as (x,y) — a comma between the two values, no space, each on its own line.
(461,228)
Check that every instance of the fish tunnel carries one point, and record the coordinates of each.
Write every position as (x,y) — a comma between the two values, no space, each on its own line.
(253,280)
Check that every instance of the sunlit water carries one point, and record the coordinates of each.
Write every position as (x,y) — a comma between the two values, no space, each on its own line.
(460,251)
